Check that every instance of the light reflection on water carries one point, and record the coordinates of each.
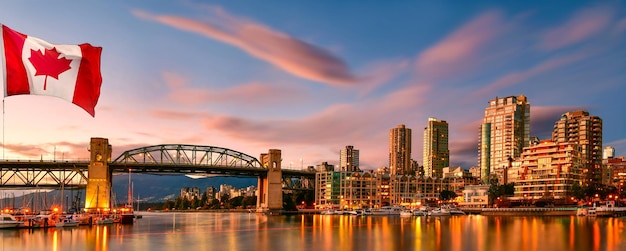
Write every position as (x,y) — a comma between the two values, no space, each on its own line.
(242,231)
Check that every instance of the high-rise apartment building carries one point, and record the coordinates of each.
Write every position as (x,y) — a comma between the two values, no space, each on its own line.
(349,159)
(585,130)
(436,154)
(400,150)
(609,152)
(504,133)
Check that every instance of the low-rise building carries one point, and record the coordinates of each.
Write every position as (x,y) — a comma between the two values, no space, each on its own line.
(549,169)
(475,196)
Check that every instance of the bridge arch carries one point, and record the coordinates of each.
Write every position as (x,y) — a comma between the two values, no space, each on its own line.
(179,154)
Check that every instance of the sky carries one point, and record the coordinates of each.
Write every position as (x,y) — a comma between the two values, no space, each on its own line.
(311,77)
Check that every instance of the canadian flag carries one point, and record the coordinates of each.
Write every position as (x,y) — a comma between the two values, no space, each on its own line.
(34,66)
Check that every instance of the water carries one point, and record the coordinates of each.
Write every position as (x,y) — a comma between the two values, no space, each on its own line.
(243,231)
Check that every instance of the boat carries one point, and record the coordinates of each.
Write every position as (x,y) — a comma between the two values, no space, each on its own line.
(419,212)
(406,213)
(591,212)
(353,212)
(454,210)
(387,210)
(104,221)
(328,212)
(8,221)
(67,222)
(439,212)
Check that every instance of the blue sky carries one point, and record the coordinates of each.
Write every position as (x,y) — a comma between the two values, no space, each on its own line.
(310,77)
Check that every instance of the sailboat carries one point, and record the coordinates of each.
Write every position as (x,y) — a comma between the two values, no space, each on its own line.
(128,215)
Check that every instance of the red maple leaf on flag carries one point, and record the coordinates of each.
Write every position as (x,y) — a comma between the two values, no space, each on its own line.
(48,63)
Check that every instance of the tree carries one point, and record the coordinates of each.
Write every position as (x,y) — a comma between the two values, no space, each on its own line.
(577,191)
(288,203)
(168,204)
(248,201)
(447,195)
(214,204)
(235,202)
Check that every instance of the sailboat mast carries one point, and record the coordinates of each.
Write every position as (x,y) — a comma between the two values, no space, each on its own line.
(130,198)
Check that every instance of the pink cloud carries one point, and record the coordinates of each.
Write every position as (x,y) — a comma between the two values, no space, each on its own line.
(281,50)
(581,26)
(515,78)
(51,151)
(338,125)
(460,50)
(542,118)
(254,93)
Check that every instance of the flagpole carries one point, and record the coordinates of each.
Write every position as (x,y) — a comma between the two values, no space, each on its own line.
(3,142)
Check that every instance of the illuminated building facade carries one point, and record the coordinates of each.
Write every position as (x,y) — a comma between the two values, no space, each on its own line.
(349,159)
(616,168)
(549,169)
(436,154)
(400,150)
(504,133)
(585,130)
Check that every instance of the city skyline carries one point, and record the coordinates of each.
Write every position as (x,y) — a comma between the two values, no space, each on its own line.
(311,78)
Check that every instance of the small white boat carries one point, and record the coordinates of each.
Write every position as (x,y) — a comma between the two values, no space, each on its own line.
(455,211)
(328,212)
(406,213)
(67,223)
(439,212)
(353,212)
(591,212)
(419,212)
(8,221)
(104,221)
(387,210)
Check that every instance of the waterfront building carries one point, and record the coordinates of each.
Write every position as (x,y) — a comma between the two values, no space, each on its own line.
(349,159)
(400,150)
(456,178)
(475,196)
(586,131)
(211,193)
(359,190)
(616,168)
(409,190)
(514,172)
(549,169)
(436,154)
(328,189)
(190,193)
(504,133)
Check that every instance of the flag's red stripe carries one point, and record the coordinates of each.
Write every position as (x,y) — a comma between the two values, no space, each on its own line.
(89,79)
(17,80)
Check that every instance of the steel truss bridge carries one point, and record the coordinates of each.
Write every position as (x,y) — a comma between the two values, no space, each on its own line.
(168,159)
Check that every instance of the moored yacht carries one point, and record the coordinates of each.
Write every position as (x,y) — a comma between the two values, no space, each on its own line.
(439,212)
(387,210)
(8,221)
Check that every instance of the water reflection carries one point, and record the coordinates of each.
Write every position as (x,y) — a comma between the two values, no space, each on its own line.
(234,231)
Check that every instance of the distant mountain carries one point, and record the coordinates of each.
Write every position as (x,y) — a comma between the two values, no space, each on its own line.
(149,188)
(155,188)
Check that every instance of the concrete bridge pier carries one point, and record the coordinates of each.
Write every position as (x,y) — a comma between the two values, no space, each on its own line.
(99,183)
(270,193)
